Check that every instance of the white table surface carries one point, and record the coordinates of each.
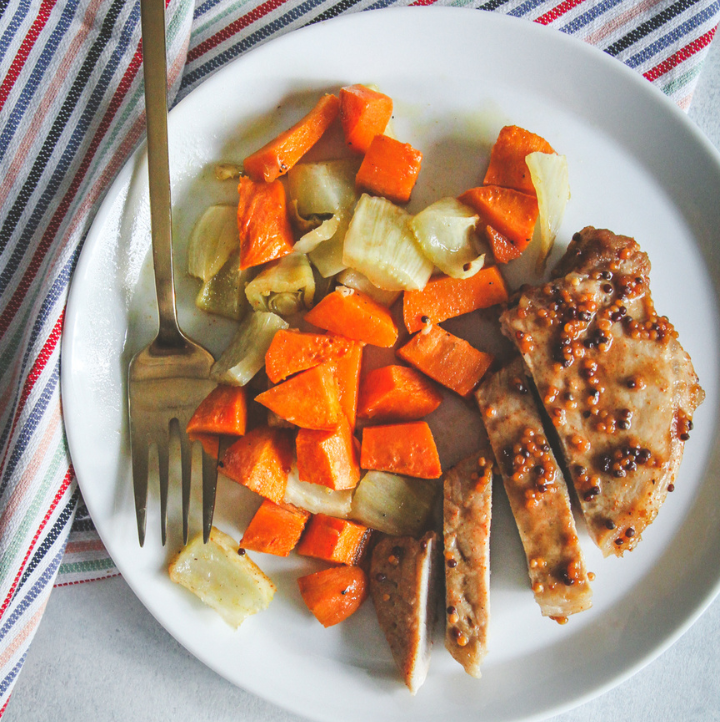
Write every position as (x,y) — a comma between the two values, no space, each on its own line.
(99,654)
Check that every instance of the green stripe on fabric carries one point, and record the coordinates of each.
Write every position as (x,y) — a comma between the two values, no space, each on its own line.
(90,566)
(683,79)
(31,514)
(130,106)
(217,18)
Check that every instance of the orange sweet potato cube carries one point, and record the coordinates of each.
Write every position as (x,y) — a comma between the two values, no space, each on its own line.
(222,411)
(329,458)
(506,210)
(275,529)
(507,158)
(261,460)
(209,442)
(444,297)
(389,169)
(397,393)
(332,595)
(447,359)
(347,374)
(263,224)
(291,352)
(364,113)
(334,540)
(308,400)
(407,449)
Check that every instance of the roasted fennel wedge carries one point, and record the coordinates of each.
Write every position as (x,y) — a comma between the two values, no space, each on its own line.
(316,498)
(285,286)
(394,504)
(214,238)
(445,231)
(313,238)
(324,187)
(224,293)
(381,245)
(350,278)
(245,355)
(328,256)
(231,583)
(549,173)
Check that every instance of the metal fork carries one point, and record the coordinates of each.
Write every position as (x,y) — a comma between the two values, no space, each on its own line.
(168,379)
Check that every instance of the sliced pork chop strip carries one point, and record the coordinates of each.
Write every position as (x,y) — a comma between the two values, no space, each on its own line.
(537,492)
(467,508)
(616,383)
(404,588)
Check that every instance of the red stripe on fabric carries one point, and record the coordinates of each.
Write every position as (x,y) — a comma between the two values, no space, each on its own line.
(235,27)
(63,488)
(558,11)
(54,225)
(680,56)
(91,545)
(41,361)
(85,581)
(37,368)
(26,46)
(2,711)
(420,3)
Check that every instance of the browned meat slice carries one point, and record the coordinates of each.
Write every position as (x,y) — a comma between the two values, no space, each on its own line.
(466,530)
(403,585)
(619,388)
(537,491)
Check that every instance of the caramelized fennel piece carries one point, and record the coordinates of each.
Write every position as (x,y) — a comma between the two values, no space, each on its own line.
(466,530)
(403,585)
(537,492)
(618,387)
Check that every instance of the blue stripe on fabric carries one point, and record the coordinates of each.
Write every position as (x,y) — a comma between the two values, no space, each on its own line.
(13,25)
(204,7)
(73,145)
(246,43)
(63,520)
(380,4)
(525,8)
(673,35)
(57,290)
(55,293)
(36,75)
(30,426)
(32,595)
(8,681)
(582,20)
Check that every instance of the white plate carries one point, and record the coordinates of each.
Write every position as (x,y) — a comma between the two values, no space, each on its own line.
(638,167)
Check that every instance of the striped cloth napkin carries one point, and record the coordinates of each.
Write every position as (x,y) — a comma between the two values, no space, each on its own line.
(71,113)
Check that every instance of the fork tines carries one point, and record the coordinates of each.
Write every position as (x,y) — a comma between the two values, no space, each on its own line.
(166,437)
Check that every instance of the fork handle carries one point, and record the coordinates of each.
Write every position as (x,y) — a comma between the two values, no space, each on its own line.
(155,73)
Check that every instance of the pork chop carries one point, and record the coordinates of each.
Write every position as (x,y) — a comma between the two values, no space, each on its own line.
(466,529)
(537,492)
(404,585)
(616,383)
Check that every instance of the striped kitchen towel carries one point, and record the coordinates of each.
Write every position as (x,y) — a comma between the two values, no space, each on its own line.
(71,112)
